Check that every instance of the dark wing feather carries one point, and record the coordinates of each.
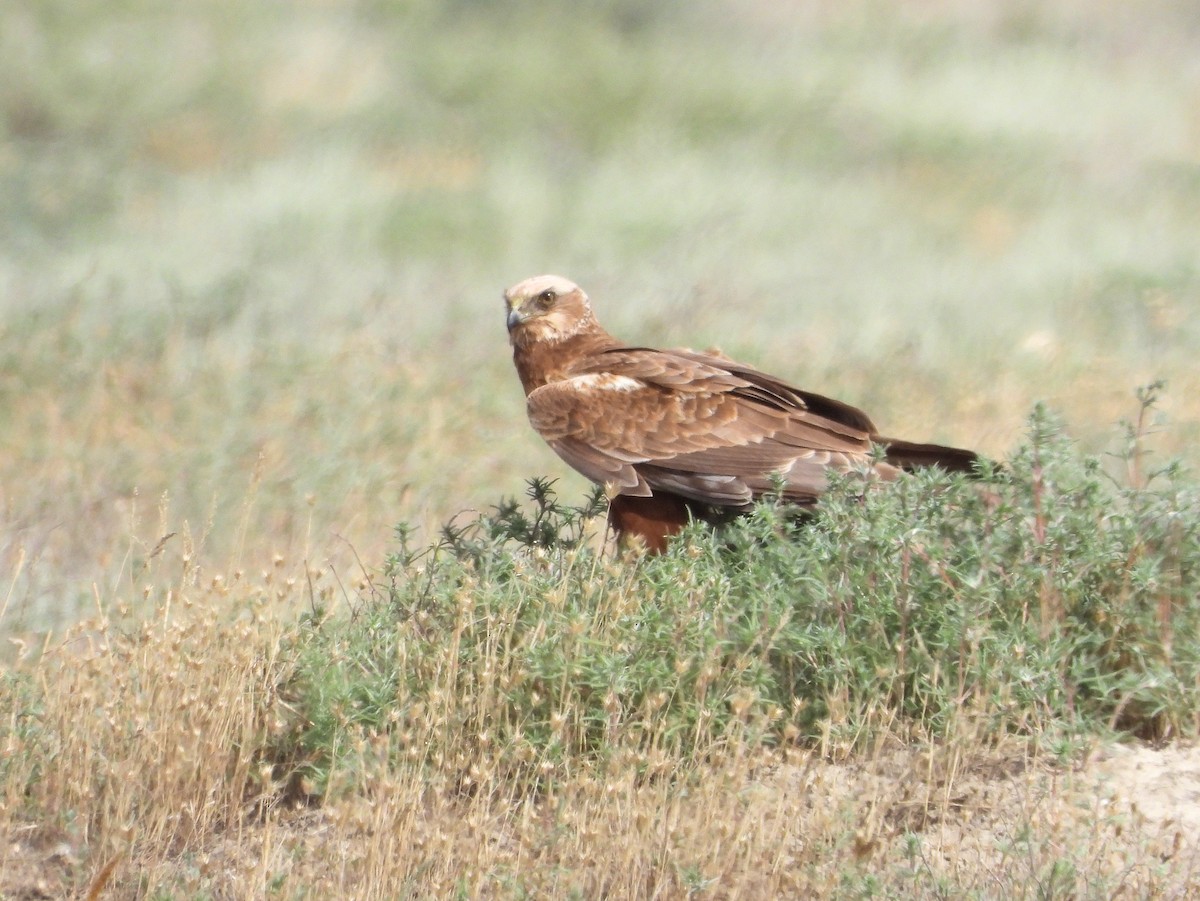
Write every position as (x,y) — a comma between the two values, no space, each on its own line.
(835,411)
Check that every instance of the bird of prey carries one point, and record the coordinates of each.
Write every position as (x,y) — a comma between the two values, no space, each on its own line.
(675,434)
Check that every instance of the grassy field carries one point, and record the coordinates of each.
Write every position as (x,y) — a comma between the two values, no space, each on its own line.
(251,258)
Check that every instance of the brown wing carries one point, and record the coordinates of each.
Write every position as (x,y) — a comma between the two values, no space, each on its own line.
(699,426)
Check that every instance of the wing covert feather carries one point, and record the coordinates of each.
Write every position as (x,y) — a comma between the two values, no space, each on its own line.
(690,423)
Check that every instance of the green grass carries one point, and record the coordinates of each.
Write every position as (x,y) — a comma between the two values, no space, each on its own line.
(248,247)
(251,259)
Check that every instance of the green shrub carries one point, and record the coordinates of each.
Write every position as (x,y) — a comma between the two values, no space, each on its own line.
(1041,599)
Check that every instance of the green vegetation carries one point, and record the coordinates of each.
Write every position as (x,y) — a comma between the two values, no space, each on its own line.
(503,709)
(251,258)
(1043,601)
(252,253)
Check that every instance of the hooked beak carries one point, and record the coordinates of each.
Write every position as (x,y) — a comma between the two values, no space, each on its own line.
(515,318)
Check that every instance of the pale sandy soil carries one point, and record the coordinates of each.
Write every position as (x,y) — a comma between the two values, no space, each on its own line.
(1126,818)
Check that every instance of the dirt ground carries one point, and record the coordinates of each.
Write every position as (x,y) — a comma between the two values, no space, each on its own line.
(1127,814)
(1163,785)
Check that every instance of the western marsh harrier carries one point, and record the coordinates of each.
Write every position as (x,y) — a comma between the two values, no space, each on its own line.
(673,434)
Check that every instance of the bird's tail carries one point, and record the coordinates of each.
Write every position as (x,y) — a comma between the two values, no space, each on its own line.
(909,456)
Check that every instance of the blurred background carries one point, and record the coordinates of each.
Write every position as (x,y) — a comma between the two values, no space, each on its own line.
(252,253)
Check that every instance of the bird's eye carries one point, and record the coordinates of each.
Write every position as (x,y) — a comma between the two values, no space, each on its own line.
(546,298)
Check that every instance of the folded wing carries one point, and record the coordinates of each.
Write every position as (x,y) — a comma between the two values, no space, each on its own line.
(642,420)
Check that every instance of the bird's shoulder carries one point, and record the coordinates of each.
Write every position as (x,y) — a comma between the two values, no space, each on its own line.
(678,369)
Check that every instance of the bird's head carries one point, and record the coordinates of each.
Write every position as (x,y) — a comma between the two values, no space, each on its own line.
(547,308)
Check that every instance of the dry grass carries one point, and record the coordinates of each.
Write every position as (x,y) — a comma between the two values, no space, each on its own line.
(148,752)
(144,734)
